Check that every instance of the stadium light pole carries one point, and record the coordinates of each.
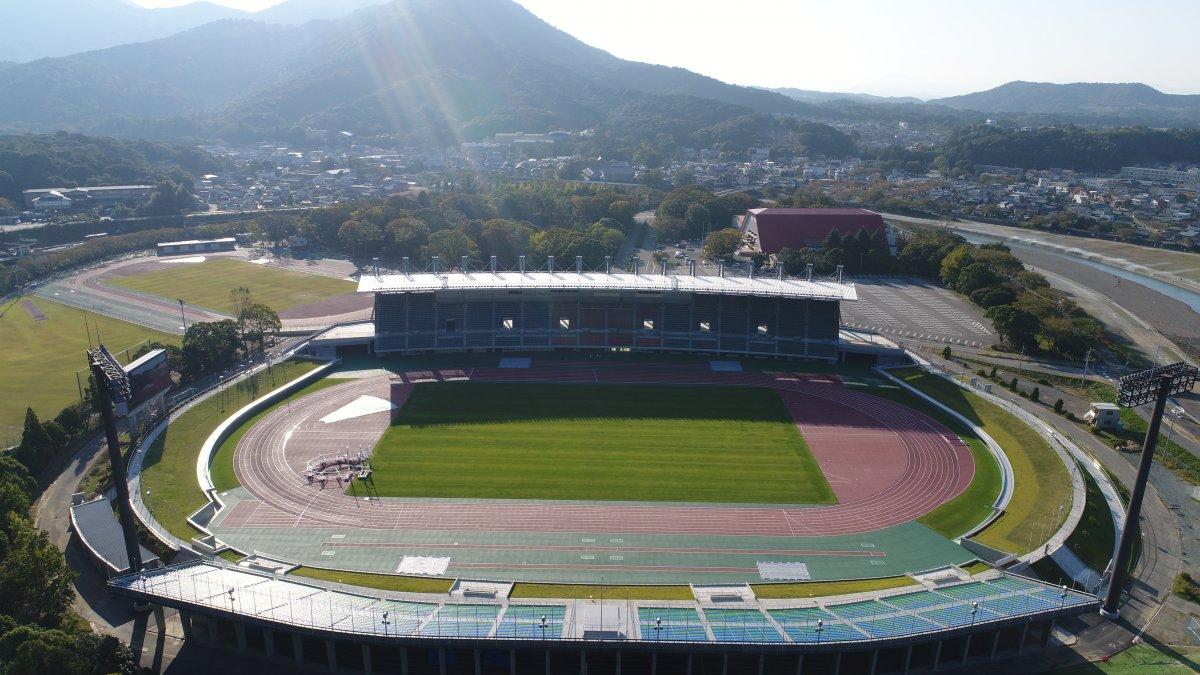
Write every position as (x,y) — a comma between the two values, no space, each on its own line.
(182,315)
(112,386)
(1155,384)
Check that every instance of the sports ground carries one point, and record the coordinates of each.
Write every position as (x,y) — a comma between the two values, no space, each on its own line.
(44,344)
(207,284)
(627,472)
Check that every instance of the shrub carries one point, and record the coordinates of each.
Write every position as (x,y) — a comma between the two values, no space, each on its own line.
(982,372)
(1035,395)
(1013,384)
(1058,406)
(993,373)
(1186,587)
(946,353)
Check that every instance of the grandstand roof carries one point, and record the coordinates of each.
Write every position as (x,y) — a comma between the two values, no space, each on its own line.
(599,281)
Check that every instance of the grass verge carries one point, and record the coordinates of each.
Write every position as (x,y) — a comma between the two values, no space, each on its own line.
(1042,491)
(168,482)
(223,476)
(603,442)
(383,582)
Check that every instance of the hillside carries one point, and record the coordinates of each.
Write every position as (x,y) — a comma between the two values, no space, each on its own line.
(86,25)
(819,97)
(1132,101)
(479,66)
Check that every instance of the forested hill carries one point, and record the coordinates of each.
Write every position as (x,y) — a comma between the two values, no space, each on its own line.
(1072,147)
(1134,102)
(479,66)
(69,160)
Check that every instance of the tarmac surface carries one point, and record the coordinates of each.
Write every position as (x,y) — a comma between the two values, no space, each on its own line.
(914,308)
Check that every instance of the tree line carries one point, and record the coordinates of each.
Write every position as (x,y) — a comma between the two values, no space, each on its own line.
(1025,311)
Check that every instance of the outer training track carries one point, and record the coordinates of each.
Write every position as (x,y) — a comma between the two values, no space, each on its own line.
(886,463)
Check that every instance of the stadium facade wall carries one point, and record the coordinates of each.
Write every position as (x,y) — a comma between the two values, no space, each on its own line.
(458,320)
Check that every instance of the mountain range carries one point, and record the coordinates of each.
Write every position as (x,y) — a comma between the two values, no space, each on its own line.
(34,29)
(1133,101)
(440,69)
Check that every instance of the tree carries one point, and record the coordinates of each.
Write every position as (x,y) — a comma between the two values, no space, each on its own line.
(1058,406)
(260,320)
(35,443)
(73,419)
(276,228)
(405,237)
(722,244)
(210,346)
(946,353)
(359,237)
(35,581)
(450,246)
(169,199)
(1035,394)
(242,300)
(1013,384)
(1016,327)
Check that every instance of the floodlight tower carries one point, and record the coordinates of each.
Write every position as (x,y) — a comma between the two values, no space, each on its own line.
(1156,384)
(112,386)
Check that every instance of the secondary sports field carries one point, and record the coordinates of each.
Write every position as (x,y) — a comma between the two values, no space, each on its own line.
(608,442)
(43,345)
(208,284)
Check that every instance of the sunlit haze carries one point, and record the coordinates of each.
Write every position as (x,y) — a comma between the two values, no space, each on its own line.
(922,48)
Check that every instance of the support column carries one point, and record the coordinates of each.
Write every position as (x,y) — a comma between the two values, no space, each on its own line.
(761,662)
(995,645)
(512,662)
(689,665)
(213,635)
(478,666)
(582,663)
(937,655)
(442,660)
(185,620)
(269,642)
(874,662)
(837,664)
(1024,634)
(547,662)
(239,630)
(799,664)
(404,661)
(654,663)
(966,649)
(298,649)
(724,664)
(331,655)
(618,663)
(368,668)
(1047,632)
(907,659)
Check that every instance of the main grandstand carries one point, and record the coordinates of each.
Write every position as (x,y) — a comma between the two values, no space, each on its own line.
(537,310)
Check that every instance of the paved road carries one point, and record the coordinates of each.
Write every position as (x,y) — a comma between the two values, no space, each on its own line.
(1168,528)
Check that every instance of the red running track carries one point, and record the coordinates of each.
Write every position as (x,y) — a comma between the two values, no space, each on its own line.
(887,464)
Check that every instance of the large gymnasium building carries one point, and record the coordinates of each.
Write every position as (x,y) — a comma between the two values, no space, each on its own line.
(457,311)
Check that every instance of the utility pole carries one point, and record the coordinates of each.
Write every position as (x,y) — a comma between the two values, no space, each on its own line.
(182,315)
(1156,384)
(112,386)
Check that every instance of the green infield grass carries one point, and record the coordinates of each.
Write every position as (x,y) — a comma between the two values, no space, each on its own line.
(40,357)
(208,284)
(536,441)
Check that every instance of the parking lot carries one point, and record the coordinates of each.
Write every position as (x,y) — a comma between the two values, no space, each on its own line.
(909,307)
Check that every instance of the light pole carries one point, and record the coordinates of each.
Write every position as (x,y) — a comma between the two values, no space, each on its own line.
(820,627)
(1156,384)
(182,315)
(385,623)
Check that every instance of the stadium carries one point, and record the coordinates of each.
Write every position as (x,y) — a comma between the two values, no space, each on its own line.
(597,471)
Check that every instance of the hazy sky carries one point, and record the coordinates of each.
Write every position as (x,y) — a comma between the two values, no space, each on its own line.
(921,48)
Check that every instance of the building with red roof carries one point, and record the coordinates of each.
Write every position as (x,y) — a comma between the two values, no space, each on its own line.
(773,229)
